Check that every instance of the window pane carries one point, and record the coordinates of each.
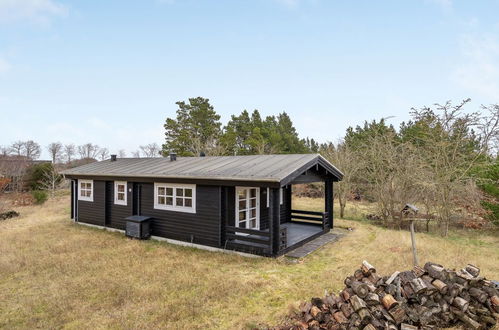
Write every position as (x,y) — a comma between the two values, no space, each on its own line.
(242,194)
(161,190)
(180,192)
(169,200)
(161,200)
(121,196)
(82,185)
(83,193)
(188,192)
(253,213)
(169,191)
(252,223)
(252,193)
(121,188)
(242,215)
(179,202)
(253,202)
(242,205)
(188,202)
(89,193)
(89,185)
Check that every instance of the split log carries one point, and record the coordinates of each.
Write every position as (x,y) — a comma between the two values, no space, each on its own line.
(392,277)
(418,285)
(473,270)
(367,268)
(358,274)
(364,314)
(478,294)
(340,317)
(418,271)
(360,289)
(370,285)
(372,299)
(398,314)
(460,303)
(441,286)
(388,301)
(357,303)
(405,326)
(369,327)
(347,310)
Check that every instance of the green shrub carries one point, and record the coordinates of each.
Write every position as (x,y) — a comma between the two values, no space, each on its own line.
(40,196)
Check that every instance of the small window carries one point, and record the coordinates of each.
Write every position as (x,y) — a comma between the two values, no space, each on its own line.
(86,190)
(120,192)
(175,197)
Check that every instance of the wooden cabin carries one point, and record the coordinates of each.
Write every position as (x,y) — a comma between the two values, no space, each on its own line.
(240,203)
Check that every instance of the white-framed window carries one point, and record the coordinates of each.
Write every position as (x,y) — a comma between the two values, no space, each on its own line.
(86,190)
(175,197)
(248,207)
(120,192)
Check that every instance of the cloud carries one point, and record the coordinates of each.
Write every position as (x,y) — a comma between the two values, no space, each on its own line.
(37,11)
(479,67)
(4,65)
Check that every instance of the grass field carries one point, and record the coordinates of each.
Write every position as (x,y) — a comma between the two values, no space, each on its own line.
(57,274)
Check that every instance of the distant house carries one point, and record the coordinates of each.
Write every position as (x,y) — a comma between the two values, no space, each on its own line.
(230,202)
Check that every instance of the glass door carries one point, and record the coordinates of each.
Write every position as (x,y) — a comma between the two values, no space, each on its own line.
(248,207)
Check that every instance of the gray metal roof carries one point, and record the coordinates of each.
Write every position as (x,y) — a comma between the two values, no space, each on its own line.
(271,168)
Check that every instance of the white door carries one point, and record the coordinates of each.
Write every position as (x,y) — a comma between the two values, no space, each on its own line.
(248,207)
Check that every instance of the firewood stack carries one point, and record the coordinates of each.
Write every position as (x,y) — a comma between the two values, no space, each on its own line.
(431,297)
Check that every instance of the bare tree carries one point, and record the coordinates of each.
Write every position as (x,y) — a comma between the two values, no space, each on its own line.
(351,163)
(32,149)
(88,151)
(55,149)
(454,144)
(51,180)
(4,151)
(136,154)
(17,148)
(150,150)
(121,153)
(69,152)
(103,153)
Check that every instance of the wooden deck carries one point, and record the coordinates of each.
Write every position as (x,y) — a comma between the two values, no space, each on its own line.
(298,232)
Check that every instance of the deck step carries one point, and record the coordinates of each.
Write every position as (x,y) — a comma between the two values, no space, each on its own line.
(313,245)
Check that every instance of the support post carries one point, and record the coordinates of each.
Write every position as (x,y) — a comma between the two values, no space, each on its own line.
(413,239)
(274,220)
(328,207)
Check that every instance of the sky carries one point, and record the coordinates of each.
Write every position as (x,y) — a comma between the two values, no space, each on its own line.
(110,72)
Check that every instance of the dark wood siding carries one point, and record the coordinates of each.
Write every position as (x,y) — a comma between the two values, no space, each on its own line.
(285,207)
(94,212)
(202,227)
(115,213)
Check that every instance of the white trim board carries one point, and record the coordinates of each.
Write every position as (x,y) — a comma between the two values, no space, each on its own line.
(175,242)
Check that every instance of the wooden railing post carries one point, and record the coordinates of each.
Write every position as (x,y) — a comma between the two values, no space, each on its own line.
(274,220)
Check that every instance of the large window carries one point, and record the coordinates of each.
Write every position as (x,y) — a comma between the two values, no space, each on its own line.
(86,190)
(120,193)
(248,207)
(175,197)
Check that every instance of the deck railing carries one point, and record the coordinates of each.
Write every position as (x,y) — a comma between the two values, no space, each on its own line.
(310,217)
(250,239)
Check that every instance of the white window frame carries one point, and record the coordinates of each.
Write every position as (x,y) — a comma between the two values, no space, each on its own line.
(268,197)
(281,196)
(86,198)
(257,218)
(116,200)
(173,207)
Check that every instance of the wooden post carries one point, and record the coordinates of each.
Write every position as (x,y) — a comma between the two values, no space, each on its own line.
(274,219)
(328,203)
(413,239)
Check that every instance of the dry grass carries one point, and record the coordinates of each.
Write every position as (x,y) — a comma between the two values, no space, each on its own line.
(56,274)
